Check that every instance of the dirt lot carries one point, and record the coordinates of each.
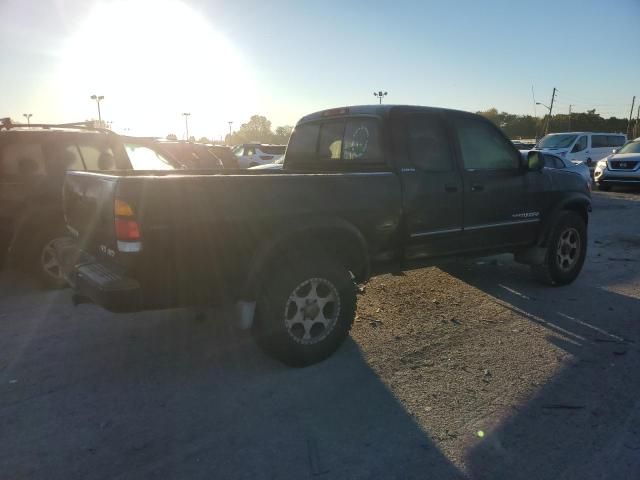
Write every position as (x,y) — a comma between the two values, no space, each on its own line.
(466,370)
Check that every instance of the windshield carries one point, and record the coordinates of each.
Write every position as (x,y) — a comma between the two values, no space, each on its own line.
(631,147)
(557,141)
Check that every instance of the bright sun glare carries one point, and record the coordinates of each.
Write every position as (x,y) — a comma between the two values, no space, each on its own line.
(153,60)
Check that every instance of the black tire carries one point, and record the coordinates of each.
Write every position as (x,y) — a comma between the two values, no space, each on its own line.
(566,251)
(280,327)
(41,261)
(604,188)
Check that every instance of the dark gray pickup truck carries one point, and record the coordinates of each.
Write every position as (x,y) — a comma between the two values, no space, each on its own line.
(363,190)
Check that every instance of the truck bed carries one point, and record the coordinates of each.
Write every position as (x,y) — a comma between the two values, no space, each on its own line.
(201,231)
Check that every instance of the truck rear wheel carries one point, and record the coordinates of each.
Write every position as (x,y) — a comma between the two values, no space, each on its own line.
(566,251)
(305,309)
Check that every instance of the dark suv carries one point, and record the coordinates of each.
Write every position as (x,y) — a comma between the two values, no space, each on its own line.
(33,163)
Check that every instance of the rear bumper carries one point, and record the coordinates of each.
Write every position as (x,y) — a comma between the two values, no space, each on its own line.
(97,282)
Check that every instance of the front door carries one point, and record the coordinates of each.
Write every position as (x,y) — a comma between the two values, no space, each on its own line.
(580,151)
(495,198)
(432,186)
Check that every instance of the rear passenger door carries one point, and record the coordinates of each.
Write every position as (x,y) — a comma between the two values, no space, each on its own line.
(432,198)
(495,190)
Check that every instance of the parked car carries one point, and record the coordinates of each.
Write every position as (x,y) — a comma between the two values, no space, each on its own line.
(33,162)
(523,145)
(254,154)
(584,147)
(198,156)
(277,165)
(363,190)
(620,168)
(559,163)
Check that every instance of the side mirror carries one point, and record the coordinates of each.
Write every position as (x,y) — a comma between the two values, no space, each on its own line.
(535,161)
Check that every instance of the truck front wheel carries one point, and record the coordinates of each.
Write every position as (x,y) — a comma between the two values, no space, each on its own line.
(566,251)
(305,309)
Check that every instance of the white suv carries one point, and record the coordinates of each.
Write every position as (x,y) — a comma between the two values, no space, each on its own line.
(254,154)
(584,147)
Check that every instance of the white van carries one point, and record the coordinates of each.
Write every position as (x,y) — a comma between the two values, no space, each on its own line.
(584,147)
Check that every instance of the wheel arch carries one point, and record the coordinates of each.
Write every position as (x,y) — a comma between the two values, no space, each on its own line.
(333,236)
(578,203)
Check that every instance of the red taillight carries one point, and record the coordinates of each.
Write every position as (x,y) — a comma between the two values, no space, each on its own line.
(266,157)
(127,230)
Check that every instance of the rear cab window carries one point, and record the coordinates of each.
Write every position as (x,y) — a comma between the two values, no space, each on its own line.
(350,142)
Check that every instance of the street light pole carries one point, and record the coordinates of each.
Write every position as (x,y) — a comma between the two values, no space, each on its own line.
(98,99)
(380,95)
(28,117)
(186,124)
(230,125)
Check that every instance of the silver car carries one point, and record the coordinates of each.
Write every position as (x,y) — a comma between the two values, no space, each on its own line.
(559,163)
(620,168)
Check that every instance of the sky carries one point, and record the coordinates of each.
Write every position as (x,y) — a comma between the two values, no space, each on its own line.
(223,60)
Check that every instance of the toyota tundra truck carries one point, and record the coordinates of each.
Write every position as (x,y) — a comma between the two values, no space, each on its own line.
(363,190)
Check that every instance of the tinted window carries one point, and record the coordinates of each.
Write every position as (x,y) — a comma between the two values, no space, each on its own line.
(429,147)
(580,145)
(238,151)
(273,149)
(330,144)
(362,141)
(143,158)
(66,158)
(615,140)
(248,151)
(304,140)
(599,141)
(23,159)
(483,146)
(97,158)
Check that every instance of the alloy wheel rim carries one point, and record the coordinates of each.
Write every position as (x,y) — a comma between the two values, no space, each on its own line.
(312,310)
(568,249)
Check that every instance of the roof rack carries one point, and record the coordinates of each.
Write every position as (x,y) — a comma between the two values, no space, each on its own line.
(7,124)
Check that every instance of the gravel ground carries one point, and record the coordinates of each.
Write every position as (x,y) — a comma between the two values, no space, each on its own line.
(465,370)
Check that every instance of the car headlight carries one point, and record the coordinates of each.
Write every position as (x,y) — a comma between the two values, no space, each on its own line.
(602,163)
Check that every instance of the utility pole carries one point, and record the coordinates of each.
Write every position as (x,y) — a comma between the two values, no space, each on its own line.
(570,117)
(633,103)
(230,125)
(637,129)
(186,124)
(553,97)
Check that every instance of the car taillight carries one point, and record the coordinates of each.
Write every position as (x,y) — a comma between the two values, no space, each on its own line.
(266,157)
(127,228)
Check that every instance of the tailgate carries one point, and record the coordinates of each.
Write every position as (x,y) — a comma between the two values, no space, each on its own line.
(88,200)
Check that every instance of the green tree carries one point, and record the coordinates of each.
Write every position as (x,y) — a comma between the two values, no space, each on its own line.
(282,134)
(204,140)
(172,136)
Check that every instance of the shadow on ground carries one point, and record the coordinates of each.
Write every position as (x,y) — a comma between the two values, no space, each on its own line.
(585,422)
(85,394)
